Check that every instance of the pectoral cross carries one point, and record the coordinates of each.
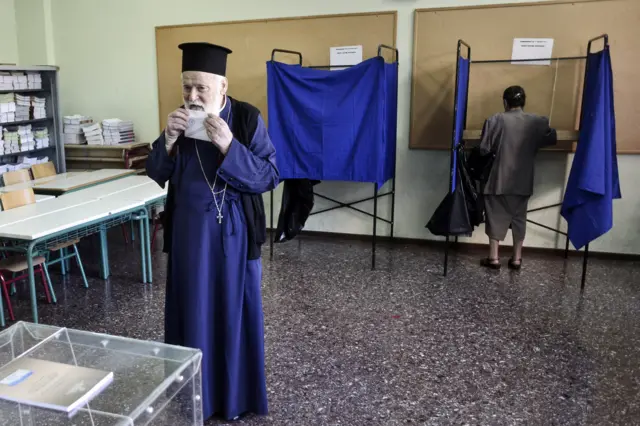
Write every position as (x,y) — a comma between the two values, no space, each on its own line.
(219,217)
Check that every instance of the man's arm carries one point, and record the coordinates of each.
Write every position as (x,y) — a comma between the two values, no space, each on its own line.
(160,164)
(253,169)
(487,137)
(549,135)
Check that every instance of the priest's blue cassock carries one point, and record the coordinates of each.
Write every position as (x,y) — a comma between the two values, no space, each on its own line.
(213,296)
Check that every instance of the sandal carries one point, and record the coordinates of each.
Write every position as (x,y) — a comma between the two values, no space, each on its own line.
(515,264)
(490,263)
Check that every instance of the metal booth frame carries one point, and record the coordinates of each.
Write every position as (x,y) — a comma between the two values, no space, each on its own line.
(462,44)
(350,205)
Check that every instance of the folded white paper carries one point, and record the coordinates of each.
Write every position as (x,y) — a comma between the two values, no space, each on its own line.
(195,127)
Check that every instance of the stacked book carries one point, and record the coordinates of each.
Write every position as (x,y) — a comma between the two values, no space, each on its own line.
(6,81)
(34,80)
(20,81)
(26,138)
(73,125)
(38,106)
(12,167)
(23,106)
(1,142)
(93,134)
(7,108)
(11,140)
(41,135)
(30,161)
(117,131)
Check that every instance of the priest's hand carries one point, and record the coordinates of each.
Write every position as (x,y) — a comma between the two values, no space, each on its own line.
(219,133)
(176,124)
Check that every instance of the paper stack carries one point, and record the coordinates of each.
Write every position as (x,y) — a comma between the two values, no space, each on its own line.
(93,134)
(117,131)
(73,129)
(25,136)
(11,140)
(20,82)
(27,162)
(23,105)
(38,105)
(7,108)
(12,167)
(34,80)
(6,81)
(41,135)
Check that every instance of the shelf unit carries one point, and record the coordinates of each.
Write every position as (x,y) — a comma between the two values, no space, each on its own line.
(53,122)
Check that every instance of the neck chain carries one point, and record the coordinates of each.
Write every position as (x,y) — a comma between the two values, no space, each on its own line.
(215,180)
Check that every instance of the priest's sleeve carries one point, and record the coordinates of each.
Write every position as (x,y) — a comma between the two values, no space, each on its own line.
(160,164)
(252,169)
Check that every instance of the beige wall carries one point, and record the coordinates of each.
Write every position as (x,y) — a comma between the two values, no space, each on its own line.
(106,51)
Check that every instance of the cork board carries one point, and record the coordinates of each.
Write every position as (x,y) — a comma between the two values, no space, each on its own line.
(490,31)
(252,43)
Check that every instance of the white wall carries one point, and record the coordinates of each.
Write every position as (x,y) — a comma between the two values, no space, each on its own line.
(8,40)
(34,32)
(106,51)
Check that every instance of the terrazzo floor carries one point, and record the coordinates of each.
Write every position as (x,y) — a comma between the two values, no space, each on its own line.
(403,345)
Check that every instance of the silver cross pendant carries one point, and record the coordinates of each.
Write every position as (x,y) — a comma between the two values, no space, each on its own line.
(219,217)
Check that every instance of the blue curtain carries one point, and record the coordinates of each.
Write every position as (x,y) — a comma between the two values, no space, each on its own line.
(593,181)
(461,113)
(334,125)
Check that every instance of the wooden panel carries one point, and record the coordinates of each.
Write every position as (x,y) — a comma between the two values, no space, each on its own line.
(252,43)
(490,31)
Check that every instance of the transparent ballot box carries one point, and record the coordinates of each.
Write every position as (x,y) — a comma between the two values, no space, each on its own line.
(153,383)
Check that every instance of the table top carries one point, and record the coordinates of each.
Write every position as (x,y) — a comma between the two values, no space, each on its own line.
(83,206)
(150,378)
(129,145)
(32,183)
(65,182)
(81,180)
(30,211)
(58,221)
(109,188)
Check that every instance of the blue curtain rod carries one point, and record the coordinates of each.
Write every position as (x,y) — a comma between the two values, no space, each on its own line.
(498,61)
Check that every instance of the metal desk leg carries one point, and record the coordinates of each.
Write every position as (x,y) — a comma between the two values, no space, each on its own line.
(143,247)
(2,322)
(104,254)
(147,234)
(32,283)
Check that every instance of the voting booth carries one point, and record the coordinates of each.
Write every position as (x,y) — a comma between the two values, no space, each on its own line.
(336,123)
(153,383)
(593,181)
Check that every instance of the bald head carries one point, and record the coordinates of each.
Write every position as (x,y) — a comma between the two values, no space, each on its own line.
(203,91)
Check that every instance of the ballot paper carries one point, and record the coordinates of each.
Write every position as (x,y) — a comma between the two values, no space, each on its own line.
(51,385)
(195,126)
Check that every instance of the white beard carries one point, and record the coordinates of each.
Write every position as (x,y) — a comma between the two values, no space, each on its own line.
(209,109)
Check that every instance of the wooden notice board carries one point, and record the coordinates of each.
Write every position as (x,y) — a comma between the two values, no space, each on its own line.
(252,43)
(490,31)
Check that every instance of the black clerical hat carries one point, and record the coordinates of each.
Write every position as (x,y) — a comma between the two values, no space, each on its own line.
(205,57)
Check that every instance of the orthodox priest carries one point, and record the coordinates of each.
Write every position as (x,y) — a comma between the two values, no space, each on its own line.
(214,228)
